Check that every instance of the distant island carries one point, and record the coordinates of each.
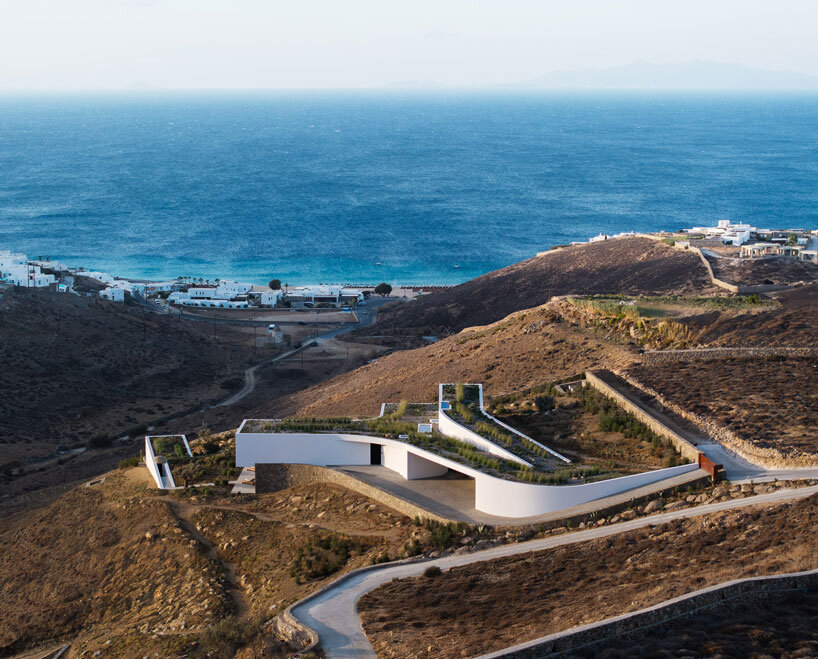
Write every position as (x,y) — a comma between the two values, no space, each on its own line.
(699,75)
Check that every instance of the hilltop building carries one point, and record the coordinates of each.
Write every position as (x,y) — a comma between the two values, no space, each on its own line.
(112,293)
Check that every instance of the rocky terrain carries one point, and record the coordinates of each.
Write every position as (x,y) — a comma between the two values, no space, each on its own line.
(770,270)
(122,568)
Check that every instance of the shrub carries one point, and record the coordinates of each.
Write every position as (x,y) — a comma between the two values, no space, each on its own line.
(129,462)
(432,571)
(544,403)
(460,392)
(324,557)
(227,635)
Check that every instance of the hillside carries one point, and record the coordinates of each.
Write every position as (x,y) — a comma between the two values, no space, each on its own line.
(628,266)
(81,368)
(557,340)
(527,348)
(124,570)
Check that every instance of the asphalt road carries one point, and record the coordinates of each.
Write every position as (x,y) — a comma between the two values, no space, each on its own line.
(334,616)
(364,318)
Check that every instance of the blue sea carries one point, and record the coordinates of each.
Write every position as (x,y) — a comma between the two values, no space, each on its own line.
(375,186)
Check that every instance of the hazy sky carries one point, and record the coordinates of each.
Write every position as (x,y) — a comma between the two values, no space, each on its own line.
(94,44)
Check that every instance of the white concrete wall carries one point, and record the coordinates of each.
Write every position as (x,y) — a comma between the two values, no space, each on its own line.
(418,467)
(451,428)
(301,448)
(410,465)
(168,482)
(513,499)
(150,463)
(494,496)
(394,458)
(517,432)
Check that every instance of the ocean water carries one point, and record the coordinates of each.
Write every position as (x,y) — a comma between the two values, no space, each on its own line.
(396,187)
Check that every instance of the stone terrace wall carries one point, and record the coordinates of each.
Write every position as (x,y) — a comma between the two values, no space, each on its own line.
(712,354)
(275,477)
(681,444)
(641,623)
(765,457)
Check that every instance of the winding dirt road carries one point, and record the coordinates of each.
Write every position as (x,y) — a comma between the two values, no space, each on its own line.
(333,612)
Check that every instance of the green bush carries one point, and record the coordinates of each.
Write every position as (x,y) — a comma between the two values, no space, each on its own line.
(129,462)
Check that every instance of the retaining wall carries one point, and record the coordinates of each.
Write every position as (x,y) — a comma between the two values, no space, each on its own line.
(721,283)
(452,428)
(765,457)
(711,354)
(641,623)
(681,444)
(275,477)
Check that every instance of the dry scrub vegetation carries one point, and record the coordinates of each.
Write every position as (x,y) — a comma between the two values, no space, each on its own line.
(490,605)
(778,627)
(772,403)
(118,567)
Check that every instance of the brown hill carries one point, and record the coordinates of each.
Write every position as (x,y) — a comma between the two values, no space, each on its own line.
(75,368)
(527,348)
(629,266)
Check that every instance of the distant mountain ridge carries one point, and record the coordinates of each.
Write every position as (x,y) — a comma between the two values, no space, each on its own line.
(692,75)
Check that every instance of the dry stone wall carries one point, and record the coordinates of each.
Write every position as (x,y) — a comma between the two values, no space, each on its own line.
(765,457)
(642,623)
(713,354)
(682,445)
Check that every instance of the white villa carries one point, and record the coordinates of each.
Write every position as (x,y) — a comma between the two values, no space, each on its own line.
(223,295)
(113,293)
(259,442)
(731,234)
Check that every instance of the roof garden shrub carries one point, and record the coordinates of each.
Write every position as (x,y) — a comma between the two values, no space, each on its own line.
(460,392)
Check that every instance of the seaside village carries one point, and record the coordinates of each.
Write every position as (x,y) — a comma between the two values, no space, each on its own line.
(726,239)
(18,270)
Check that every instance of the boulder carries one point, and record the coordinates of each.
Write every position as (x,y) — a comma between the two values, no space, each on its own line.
(653,506)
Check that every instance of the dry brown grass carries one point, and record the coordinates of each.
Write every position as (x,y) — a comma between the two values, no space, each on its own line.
(487,606)
(768,402)
(82,569)
(527,348)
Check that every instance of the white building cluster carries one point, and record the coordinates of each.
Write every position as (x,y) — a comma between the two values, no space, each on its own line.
(225,294)
(15,269)
(730,234)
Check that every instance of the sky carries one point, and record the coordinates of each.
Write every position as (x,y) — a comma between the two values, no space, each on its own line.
(266,44)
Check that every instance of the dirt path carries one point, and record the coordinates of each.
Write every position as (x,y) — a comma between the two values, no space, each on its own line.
(333,613)
(184,514)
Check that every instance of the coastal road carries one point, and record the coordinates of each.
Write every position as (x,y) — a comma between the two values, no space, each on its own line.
(365,317)
(333,613)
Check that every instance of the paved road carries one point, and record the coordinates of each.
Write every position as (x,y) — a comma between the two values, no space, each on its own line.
(333,614)
(249,386)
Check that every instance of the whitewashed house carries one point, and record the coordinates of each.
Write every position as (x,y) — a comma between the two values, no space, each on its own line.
(270,298)
(112,293)
(332,294)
